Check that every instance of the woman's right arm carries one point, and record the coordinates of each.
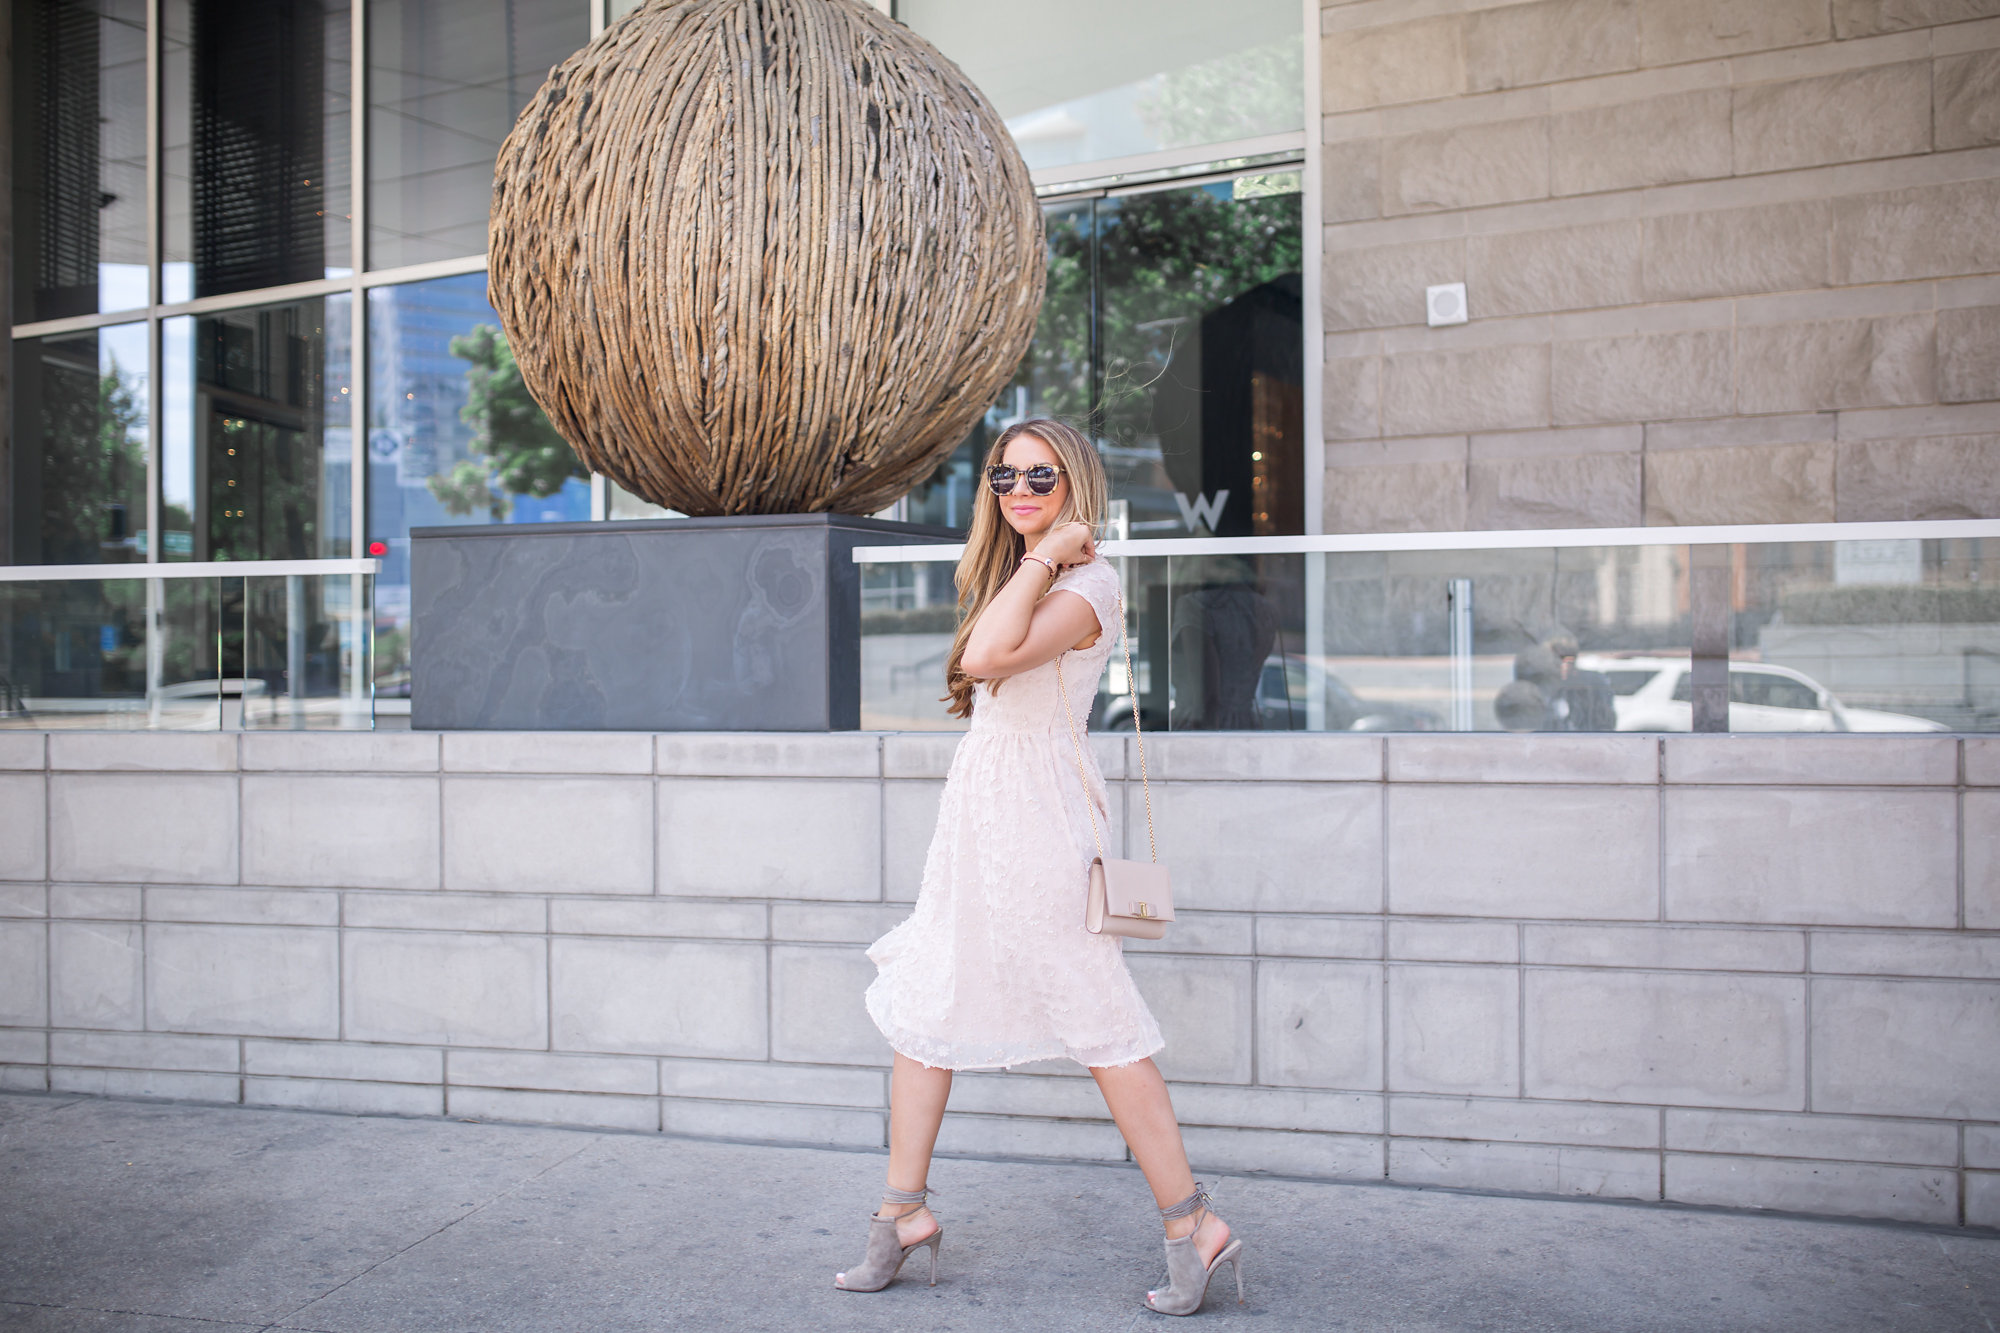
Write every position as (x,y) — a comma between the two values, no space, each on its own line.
(1020,629)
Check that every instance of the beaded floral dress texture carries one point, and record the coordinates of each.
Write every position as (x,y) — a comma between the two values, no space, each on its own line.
(994,967)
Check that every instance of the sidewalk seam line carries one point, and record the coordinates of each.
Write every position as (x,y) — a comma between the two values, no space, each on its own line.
(470,1212)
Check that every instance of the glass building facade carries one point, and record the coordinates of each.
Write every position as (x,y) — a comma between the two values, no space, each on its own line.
(250,322)
(249,310)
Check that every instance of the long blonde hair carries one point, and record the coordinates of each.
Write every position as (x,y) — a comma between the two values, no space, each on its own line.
(993,551)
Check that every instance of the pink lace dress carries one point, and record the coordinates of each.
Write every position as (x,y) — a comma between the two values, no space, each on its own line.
(994,967)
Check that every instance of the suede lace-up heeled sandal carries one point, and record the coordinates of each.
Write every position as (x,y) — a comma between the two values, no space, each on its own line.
(886,1251)
(1187,1276)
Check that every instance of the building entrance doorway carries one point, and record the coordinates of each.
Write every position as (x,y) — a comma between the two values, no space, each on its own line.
(1172,335)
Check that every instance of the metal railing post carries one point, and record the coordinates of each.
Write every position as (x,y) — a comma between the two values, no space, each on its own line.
(1458,609)
(295,647)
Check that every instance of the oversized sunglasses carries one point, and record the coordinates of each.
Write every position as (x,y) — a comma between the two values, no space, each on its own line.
(1042,478)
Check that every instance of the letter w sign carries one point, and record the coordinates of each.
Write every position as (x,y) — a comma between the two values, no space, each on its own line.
(1203,509)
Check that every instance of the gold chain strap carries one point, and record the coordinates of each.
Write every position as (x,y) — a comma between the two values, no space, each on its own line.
(1132,683)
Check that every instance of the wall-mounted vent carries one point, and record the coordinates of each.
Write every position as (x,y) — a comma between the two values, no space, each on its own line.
(1445,303)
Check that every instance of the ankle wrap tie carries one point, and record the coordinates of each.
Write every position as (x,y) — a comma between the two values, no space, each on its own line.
(890,1195)
(1188,1207)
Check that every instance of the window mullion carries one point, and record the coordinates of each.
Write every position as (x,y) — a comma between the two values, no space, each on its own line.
(155,399)
(357,336)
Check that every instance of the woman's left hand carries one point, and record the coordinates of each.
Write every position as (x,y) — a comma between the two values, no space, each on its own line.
(1070,544)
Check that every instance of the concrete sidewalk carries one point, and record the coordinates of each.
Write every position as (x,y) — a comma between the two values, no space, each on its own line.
(148,1217)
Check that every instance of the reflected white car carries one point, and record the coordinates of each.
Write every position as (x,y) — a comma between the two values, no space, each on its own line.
(1657,694)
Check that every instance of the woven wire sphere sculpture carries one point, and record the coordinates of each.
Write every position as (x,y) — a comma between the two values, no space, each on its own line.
(763,256)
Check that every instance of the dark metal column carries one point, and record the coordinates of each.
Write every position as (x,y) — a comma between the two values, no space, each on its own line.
(7,286)
(1708,606)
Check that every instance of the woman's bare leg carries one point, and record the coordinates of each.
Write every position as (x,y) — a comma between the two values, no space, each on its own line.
(1138,1099)
(917,1096)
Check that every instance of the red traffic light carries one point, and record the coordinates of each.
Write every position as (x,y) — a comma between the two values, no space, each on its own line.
(378,548)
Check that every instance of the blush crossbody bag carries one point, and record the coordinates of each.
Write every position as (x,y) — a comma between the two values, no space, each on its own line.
(1130,898)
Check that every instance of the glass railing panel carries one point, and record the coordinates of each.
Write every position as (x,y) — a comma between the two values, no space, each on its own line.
(304,645)
(908,617)
(1394,656)
(1776,629)
(1895,635)
(73,654)
(1523,639)
(1536,639)
(1621,621)
(186,654)
(1223,645)
(1147,583)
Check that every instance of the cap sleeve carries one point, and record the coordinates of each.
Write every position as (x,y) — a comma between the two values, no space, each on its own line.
(1096,583)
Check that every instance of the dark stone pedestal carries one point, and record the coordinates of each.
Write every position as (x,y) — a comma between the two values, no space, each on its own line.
(686,624)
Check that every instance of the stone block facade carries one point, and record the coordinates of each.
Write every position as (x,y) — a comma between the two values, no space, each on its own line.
(1754,971)
(1724,263)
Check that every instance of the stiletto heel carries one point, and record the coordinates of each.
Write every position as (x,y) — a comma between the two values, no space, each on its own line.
(1187,1276)
(886,1252)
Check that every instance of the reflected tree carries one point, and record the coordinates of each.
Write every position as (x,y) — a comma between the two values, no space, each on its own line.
(1126,279)
(1057,368)
(93,465)
(263,488)
(88,478)
(1166,260)
(1163,259)
(516,450)
(1236,96)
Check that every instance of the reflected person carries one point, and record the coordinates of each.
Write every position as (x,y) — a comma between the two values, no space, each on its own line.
(1520,706)
(1527,703)
(1222,634)
(1582,699)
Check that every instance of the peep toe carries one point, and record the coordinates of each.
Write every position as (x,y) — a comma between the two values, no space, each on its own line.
(1187,1276)
(878,1268)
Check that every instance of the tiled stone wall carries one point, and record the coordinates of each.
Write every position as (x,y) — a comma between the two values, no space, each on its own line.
(1727,261)
(1739,970)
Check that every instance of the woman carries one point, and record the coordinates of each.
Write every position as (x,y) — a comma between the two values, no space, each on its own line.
(994,968)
